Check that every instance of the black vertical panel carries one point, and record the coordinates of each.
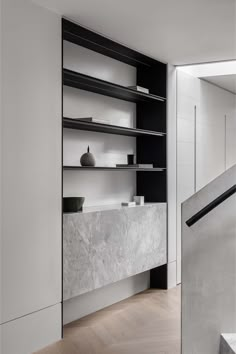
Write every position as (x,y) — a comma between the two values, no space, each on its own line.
(159,277)
(150,149)
(153,78)
(153,116)
(153,186)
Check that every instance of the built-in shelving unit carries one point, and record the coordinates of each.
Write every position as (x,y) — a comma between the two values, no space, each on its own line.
(151,128)
(79,124)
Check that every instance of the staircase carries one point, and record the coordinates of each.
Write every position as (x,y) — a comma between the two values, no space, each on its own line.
(228,344)
(209,268)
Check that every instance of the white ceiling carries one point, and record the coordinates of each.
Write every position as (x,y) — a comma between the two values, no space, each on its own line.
(227,82)
(174,31)
(211,69)
(222,74)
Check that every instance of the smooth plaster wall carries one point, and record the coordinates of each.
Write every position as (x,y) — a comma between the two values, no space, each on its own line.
(88,303)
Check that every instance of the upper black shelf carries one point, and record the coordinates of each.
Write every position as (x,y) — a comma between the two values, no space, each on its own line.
(89,83)
(100,168)
(74,33)
(107,128)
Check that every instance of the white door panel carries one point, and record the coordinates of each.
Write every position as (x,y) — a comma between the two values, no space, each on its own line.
(204,146)
(30,250)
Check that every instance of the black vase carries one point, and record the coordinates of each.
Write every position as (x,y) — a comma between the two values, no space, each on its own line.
(87,159)
(73,204)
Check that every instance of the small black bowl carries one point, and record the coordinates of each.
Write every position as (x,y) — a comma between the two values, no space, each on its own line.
(73,204)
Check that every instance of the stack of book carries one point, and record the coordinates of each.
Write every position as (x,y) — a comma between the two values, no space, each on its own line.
(140,89)
(92,120)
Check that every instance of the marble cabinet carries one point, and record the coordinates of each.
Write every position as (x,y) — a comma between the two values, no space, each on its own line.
(103,247)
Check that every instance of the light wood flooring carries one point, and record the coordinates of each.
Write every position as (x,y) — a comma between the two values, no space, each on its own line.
(147,323)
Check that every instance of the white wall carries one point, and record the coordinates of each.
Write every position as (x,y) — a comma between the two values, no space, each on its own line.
(205,139)
(98,299)
(211,157)
(30,176)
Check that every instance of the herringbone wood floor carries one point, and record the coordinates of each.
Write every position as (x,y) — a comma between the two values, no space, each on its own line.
(147,323)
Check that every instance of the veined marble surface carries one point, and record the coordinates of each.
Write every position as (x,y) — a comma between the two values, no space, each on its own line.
(228,343)
(103,247)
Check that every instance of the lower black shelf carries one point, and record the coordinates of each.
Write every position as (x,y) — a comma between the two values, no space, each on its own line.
(80,168)
(79,124)
(93,84)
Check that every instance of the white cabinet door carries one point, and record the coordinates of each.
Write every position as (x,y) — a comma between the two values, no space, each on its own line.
(210,133)
(206,138)
(32,332)
(30,250)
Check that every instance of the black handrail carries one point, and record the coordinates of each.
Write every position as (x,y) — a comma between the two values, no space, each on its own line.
(204,211)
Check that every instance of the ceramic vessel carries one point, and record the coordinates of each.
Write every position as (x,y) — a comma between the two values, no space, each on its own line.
(87,159)
(131,159)
(73,204)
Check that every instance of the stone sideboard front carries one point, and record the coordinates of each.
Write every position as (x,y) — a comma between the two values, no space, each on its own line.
(103,247)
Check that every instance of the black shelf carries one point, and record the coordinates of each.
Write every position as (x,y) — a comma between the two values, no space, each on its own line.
(106,88)
(77,124)
(74,33)
(81,168)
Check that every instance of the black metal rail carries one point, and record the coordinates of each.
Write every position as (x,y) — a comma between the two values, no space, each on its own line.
(208,208)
